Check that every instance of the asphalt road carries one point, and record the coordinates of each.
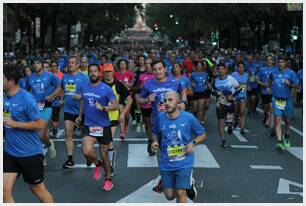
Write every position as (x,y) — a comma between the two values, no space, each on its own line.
(249,170)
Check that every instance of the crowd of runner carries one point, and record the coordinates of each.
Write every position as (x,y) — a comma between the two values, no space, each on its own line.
(165,94)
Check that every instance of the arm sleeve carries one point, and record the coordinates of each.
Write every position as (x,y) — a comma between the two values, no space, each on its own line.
(31,108)
(196,127)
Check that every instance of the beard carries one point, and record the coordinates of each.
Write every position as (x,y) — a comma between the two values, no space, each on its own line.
(94,79)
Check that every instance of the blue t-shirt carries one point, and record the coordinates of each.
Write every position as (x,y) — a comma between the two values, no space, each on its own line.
(159,89)
(22,82)
(22,108)
(42,85)
(300,77)
(71,86)
(252,69)
(102,94)
(243,81)
(278,86)
(198,81)
(263,76)
(185,82)
(176,133)
(226,86)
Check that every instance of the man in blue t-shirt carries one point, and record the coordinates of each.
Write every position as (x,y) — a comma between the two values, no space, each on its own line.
(45,87)
(72,83)
(97,100)
(282,80)
(173,132)
(22,147)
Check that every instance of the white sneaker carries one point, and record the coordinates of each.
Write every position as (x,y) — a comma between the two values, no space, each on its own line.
(134,123)
(59,133)
(51,149)
(139,128)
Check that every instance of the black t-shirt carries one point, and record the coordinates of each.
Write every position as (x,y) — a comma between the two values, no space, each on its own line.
(120,89)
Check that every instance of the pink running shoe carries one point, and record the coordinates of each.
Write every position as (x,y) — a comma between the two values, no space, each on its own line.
(97,173)
(107,185)
(122,135)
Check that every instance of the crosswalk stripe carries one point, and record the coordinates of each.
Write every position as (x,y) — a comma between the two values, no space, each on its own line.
(296,151)
(204,158)
(245,146)
(266,167)
(138,156)
(239,136)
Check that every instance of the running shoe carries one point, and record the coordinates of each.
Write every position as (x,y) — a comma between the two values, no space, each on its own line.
(192,192)
(223,143)
(69,164)
(88,162)
(134,123)
(97,173)
(51,149)
(286,143)
(279,146)
(138,128)
(159,187)
(122,136)
(107,185)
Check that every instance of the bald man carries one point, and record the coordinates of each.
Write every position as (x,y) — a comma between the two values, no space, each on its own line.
(173,133)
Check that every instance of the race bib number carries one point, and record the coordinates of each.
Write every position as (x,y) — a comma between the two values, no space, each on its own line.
(175,151)
(41,105)
(161,107)
(252,78)
(70,87)
(96,131)
(280,104)
(222,100)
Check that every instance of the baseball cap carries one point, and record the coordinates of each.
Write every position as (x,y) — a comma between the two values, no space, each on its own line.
(107,68)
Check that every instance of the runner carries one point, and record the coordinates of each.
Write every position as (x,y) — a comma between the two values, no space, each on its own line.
(22,147)
(97,100)
(282,80)
(72,83)
(125,101)
(44,86)
(173,130)
(226,88)
(154,91)
(242,78)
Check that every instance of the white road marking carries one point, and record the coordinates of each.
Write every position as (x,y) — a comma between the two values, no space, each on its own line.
(245,146)
(284,187)
(138,156)
(266,167)
(296,151)
(84,166)
(145,195)
(291,127)
(239,136)
(204,158)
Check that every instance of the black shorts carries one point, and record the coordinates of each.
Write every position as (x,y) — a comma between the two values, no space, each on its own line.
(253,92)
(70,117)
(31,167)
(114,123)
(223,110)
(266,98)
(105,139)
(201,95)
(299,96)
(146,112)
(55,113)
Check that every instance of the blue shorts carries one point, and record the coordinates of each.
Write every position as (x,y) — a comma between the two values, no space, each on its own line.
(46,114)
(279,111)
(177,179)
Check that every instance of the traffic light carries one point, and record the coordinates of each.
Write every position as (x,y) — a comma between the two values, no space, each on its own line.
(294,33)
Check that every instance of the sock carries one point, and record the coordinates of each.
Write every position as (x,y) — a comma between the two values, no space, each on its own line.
(70,157)
(110,154)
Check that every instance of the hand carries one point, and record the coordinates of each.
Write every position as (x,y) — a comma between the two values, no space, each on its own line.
(8,121)
(76,97)
(99,106)
(189,148)
(49,98)
(78,120)
(287,82)
(154,146)
(152,98)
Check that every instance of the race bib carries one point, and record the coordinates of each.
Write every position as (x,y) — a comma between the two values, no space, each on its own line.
(70,87)
(175,151)
(6,114)
(280,104)
(243,87)
(41,105)
(222,100)
(96,131)
(252,78)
